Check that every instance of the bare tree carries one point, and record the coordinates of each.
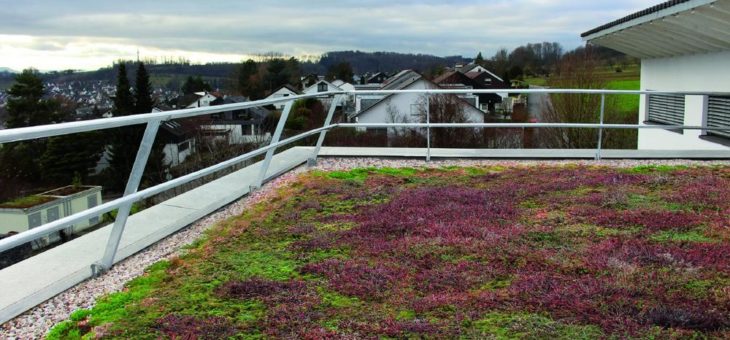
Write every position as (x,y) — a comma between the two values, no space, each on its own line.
(580,71)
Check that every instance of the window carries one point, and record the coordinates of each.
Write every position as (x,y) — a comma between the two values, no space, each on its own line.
(183,146)
(666,109)
(322,87)
(718,115)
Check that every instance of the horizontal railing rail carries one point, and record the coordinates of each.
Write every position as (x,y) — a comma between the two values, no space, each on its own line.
(153,120)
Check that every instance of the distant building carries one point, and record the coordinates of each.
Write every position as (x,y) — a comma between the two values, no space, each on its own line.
(203,99)
(683,46)
(178,137)
(475,80)
(321,86)
(403,107)
(284,91)
(238,126)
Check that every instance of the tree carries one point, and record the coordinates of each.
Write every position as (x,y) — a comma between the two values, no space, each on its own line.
(446,109)
(479,60)
(142,91)
(580,70)
(195,84)
(143,102)
(27,107)
(277,74)
(123,100)
(125,140)
(342,71)
(248,81)
(70,155)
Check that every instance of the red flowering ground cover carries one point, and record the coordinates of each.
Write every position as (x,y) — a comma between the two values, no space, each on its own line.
(524,252)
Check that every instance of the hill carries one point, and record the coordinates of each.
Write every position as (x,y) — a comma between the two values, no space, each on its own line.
(172,75)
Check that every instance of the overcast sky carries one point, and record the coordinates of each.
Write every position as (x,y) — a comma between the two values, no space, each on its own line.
(83,34)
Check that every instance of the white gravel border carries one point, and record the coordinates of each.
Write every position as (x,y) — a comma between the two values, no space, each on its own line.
(35,323)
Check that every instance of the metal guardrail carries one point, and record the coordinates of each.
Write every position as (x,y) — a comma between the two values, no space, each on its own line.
(153,120)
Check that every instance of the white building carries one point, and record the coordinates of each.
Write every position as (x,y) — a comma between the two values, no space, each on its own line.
(321,86)
(684,46)
(204,99)
(403,107)
(284,91)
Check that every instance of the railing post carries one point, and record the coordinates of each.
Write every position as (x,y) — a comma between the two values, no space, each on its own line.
(135,177)
(600,130)
(428,128)
(274,139)
(312,161)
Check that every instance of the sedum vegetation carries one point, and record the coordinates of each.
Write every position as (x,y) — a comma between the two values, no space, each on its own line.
(523,252)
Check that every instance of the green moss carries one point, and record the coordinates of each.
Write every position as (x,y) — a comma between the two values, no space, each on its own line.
(684,236)
(26,202)
(112,308)
(361,174)
(504,325)
(403,172)
(498,283)
(530,204)
(645,169)
(336,300)
(405,315)
(546,239)
(271,264)
(357,175)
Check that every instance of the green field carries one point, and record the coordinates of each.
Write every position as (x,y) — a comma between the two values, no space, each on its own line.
(626,102)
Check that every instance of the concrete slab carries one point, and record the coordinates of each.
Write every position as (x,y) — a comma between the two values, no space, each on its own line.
(30,282)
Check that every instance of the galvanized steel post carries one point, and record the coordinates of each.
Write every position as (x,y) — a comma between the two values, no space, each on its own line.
(600,130)
(274,139)
(135,177)
(335,101)
(428,128)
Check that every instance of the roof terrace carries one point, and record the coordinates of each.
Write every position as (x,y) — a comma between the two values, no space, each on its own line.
(433,249)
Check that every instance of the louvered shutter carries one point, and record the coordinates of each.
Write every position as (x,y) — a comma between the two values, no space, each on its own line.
(666,109)
(718,115)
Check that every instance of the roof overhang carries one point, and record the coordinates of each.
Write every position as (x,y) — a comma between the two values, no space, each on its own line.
(674,28)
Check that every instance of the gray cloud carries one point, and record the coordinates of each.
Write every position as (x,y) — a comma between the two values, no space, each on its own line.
(294,27)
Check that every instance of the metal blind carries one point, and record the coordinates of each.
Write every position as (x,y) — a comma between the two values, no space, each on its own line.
(718,115)
(666,109)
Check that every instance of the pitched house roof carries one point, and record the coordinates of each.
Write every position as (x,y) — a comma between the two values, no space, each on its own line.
(402,81)
(288,87)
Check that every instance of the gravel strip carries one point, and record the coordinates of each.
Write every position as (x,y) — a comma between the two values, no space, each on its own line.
(37,321)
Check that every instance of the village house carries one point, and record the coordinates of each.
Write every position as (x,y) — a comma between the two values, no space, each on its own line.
(403,107)
(283,91)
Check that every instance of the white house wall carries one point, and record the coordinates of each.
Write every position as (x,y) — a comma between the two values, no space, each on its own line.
(700,72)
(406,106)
(282,92)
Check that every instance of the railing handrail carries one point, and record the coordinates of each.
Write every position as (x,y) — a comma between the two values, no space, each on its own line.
(50,130)
(26,133)
(32,234)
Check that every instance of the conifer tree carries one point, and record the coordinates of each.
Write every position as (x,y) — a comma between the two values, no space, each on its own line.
(27,107)
(124,141)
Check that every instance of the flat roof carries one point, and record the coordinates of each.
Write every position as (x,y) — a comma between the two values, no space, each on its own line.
(672,28)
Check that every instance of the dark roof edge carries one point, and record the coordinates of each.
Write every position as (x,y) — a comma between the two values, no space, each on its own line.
(636,15)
